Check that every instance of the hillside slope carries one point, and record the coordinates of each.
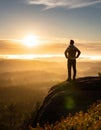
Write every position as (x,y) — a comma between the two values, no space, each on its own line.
(68,97)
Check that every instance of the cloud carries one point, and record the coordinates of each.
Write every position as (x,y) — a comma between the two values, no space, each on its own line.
(64,3)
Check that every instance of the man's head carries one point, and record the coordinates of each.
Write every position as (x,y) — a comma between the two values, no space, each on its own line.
(71,42)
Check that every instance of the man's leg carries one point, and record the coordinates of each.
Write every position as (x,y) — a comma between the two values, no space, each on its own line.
(74,69)
(69,70)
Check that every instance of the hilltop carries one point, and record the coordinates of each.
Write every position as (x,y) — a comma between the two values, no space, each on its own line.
(68,97)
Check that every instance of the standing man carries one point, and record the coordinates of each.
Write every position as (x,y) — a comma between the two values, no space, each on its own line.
(71,53)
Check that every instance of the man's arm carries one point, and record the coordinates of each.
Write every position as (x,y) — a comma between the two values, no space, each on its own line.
(78,53)
(66,51)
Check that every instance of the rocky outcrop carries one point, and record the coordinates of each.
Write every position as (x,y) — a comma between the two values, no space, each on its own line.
(68,97)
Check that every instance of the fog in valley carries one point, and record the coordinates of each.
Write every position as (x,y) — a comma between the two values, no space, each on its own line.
(25,82)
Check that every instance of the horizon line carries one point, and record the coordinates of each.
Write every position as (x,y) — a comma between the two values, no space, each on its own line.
(46,56)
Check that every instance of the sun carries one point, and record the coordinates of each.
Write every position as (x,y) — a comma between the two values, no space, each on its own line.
(30,41)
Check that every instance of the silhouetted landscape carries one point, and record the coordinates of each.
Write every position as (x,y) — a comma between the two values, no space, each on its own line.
(25,83)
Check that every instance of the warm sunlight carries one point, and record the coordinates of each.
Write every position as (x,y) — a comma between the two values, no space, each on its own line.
(30,41)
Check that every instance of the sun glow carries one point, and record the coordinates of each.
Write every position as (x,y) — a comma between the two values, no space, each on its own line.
(30,41)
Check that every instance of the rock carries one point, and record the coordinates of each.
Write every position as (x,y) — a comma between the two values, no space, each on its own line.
(68,97)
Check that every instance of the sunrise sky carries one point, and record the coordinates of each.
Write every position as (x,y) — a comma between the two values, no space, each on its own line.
(53,22)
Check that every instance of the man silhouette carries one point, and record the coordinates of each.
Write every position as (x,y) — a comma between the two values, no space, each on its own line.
(71,53)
